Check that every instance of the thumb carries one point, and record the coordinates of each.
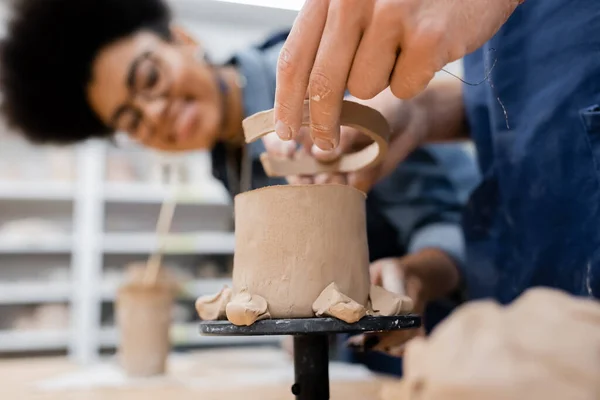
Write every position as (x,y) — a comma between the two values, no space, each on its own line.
(351,140)
(375,274)
(278,147)
(326,155)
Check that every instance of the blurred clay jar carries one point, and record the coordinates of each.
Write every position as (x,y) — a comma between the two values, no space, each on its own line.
(143,319)
(294,241)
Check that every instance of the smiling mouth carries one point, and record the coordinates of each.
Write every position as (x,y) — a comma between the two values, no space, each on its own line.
(184,121)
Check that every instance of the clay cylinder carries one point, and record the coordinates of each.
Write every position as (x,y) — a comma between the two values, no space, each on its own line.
(293,241)
(143,319)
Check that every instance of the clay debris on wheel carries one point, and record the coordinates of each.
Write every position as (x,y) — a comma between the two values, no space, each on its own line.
(244,309)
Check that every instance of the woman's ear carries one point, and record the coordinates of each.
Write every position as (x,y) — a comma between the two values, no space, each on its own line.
(182,37)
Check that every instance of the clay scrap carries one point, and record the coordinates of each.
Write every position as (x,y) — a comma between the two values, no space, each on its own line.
(212,307)
(543,346)
(333,303)
(385,303)
(244,309)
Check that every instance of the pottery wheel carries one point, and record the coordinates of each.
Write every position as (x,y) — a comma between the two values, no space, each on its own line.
(311,343)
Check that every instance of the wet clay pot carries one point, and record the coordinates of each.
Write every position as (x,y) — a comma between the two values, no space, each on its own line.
(143,319)
(293,241)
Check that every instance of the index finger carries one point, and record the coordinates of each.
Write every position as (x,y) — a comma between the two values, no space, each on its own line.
(294,66)
(329,76)
(351,140)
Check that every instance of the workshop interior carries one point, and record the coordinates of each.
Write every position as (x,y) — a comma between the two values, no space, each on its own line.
(132,271)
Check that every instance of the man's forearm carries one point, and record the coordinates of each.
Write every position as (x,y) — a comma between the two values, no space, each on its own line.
(439,111)
(437,114)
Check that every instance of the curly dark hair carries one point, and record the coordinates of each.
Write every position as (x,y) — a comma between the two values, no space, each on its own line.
(46,60)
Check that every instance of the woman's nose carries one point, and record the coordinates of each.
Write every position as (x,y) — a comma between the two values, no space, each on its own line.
(154,110)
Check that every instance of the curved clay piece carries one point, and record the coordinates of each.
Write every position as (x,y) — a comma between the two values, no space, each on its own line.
(387,304)
(543,346)
(333,303)
(212,307)
(245,309)
(288,255)
(361,117)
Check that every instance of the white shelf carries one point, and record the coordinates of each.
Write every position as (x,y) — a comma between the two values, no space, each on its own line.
(43,191)
(203,287)
(140,193)
(189,334)
(33,293)
(35,245)
(90,220)
(190,290)
(15,341)
(145,243)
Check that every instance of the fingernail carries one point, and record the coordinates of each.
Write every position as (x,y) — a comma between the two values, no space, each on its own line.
(290,148)
(283,131)
(371,342)
(324,144)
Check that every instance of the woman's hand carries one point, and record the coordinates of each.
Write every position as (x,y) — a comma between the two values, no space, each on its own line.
(393,275)
(367,45)
(424,276)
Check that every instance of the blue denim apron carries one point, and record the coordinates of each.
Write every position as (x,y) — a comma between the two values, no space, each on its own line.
(535,218)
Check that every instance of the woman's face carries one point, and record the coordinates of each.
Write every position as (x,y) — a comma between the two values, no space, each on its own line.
(158,92)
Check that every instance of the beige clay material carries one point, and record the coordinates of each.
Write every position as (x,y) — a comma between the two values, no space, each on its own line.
(135,272)
(544,346)
(387,304)
(143,318)
(291,242)
(244,309)
(355,115)
(212,307)
(333,303)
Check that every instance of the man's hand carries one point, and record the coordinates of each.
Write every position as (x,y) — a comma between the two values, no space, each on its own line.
(408,131)
(437,114)
(292,149)
(351,141)
(367,45)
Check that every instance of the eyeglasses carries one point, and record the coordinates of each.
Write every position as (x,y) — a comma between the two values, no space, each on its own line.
(148,78)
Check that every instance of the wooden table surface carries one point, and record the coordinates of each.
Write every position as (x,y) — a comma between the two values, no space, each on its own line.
(229,374)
